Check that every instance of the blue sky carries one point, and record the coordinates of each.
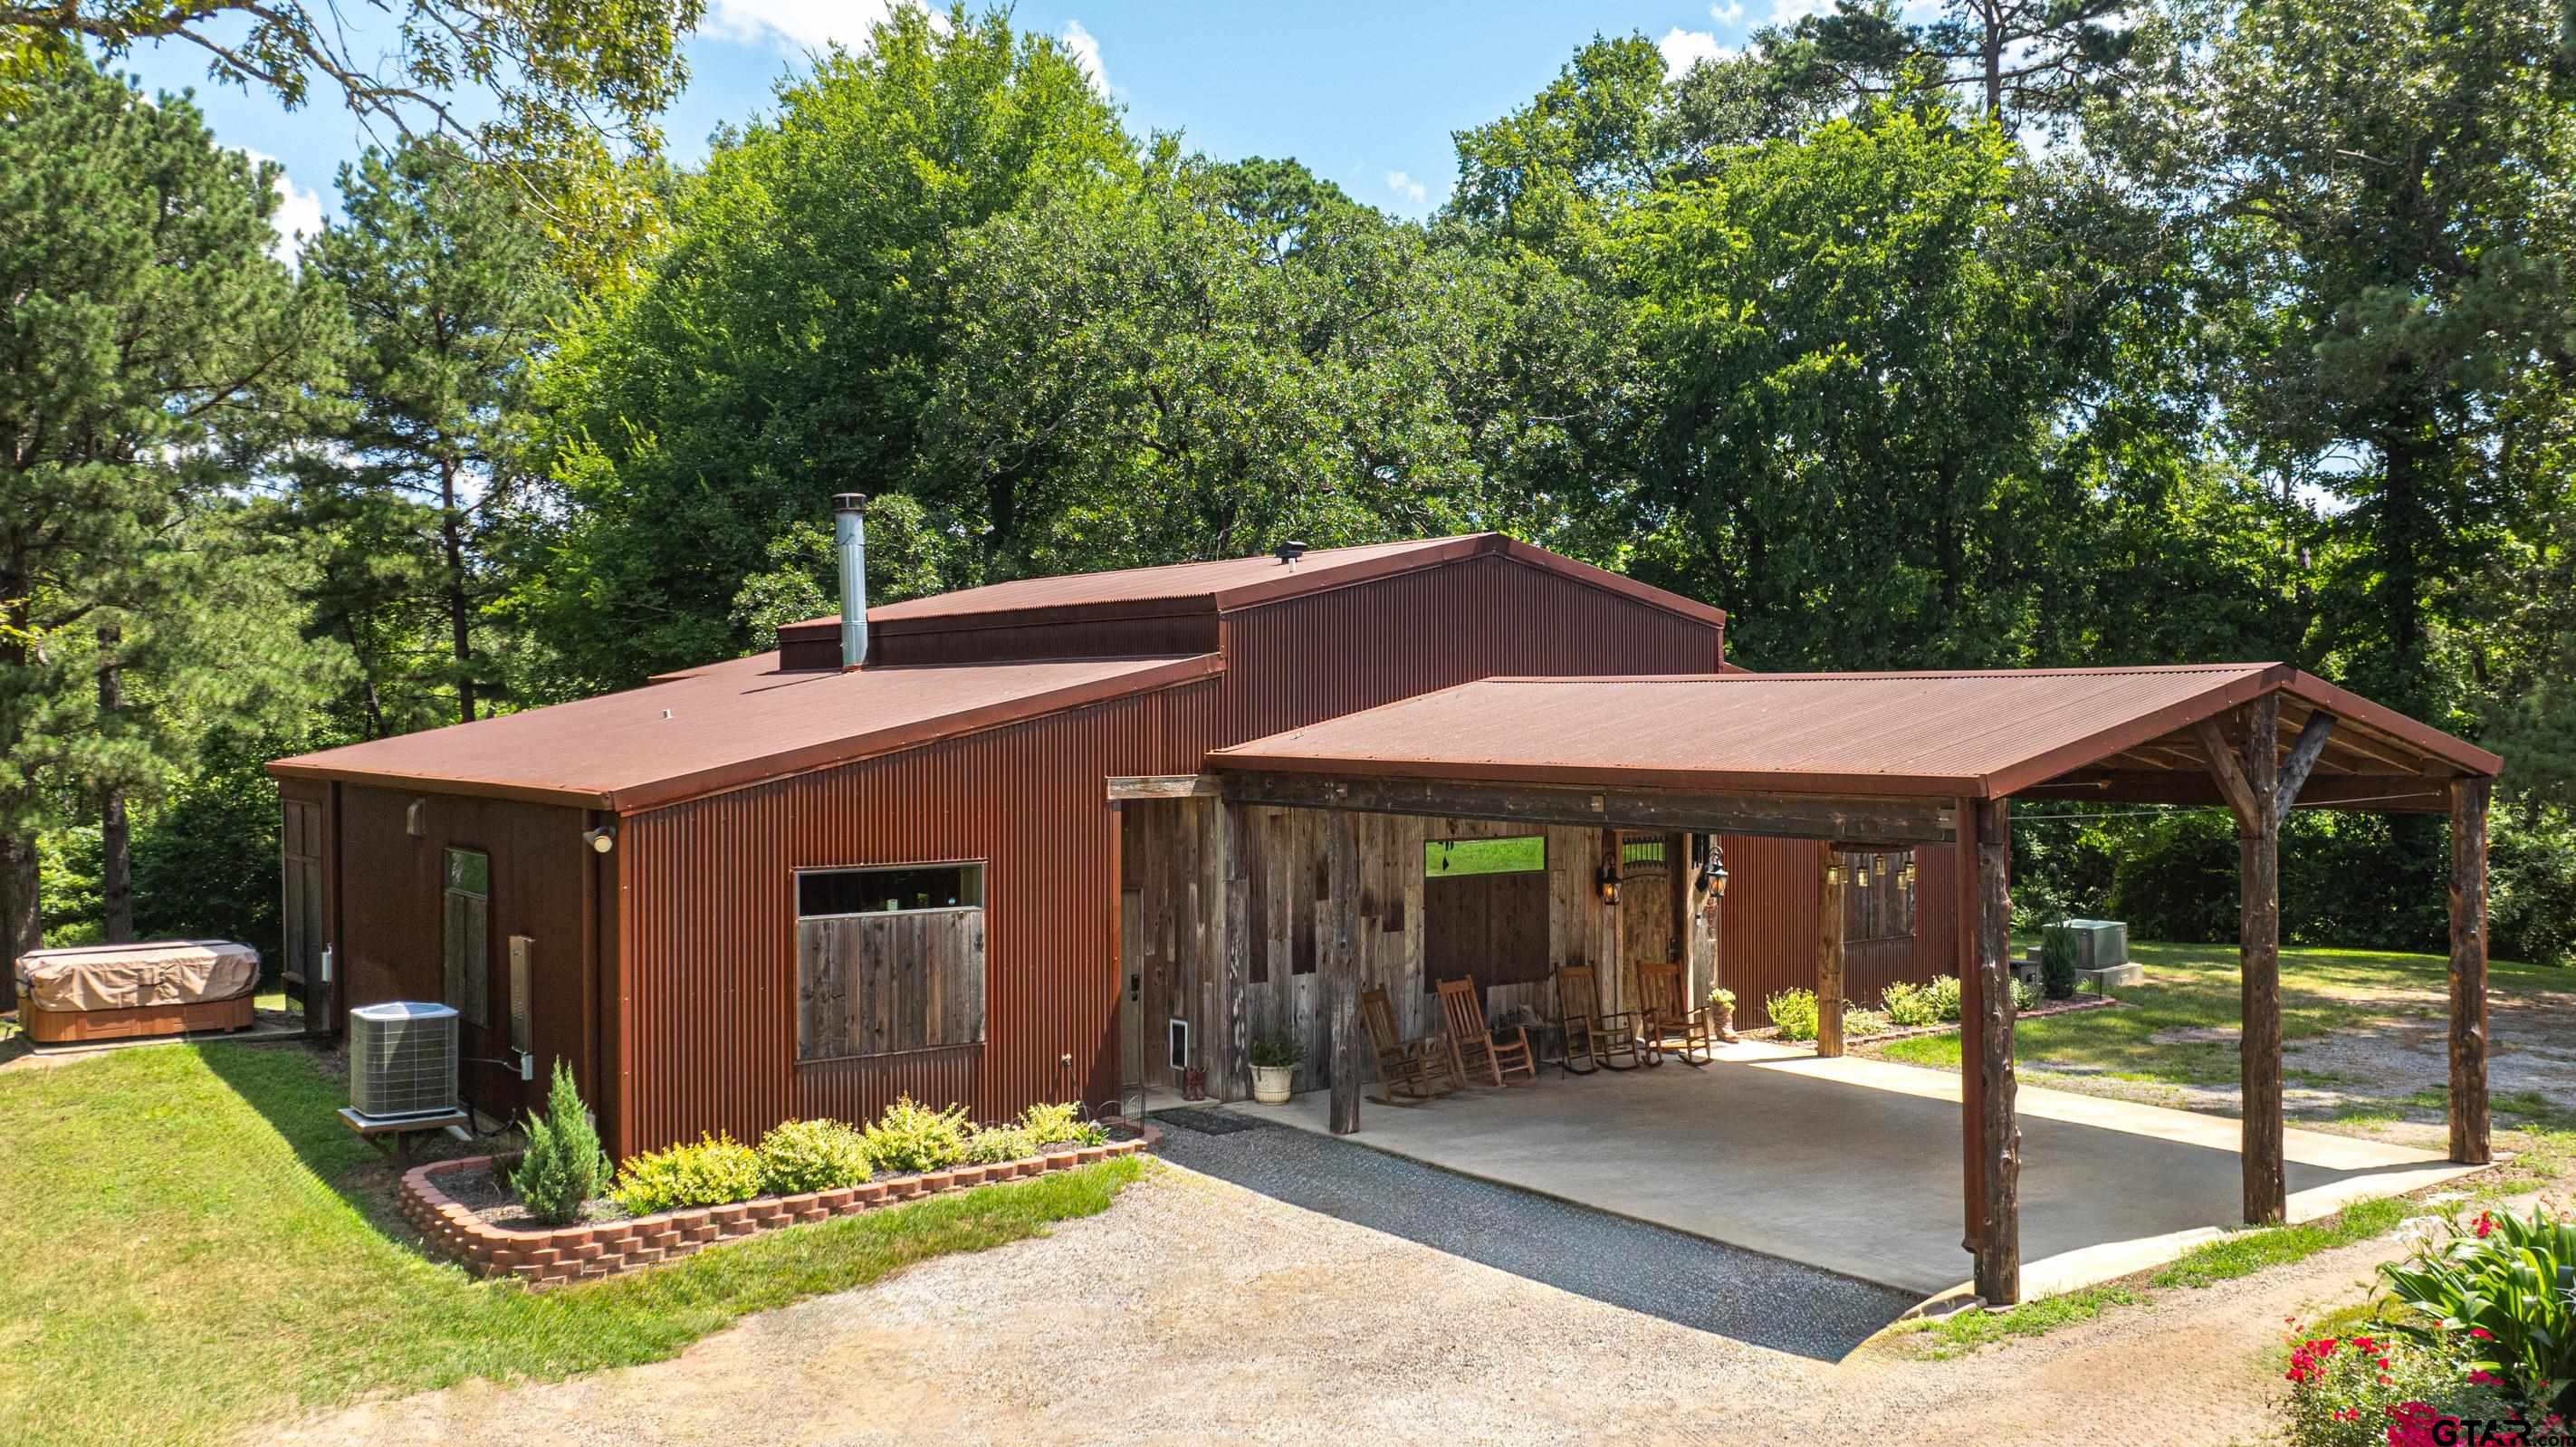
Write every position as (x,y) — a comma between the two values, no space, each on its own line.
(1365,93)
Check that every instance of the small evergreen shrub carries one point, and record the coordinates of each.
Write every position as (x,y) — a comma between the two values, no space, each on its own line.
(1277,1051)
(811,1155)
(911,1136)
(1909,1005)
(711,1171)
(996,1144)
(2057,962)
(1061,1124)
(563,1167)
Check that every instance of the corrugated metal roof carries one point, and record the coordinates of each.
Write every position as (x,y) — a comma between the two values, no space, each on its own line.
(1228,583)
(728,724)
(1968,734)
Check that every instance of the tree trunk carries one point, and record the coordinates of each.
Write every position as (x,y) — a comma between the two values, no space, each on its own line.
(115,836)
(460,614)
(22,925)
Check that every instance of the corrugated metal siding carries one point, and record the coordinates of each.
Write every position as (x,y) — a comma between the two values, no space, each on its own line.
(1769,939)
(390,920)
(711,949)
(1302,659)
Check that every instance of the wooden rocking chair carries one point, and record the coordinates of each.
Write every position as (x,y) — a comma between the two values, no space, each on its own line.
(1674,1027)
(1475,1046)
(1602,1039)
(1404,1067)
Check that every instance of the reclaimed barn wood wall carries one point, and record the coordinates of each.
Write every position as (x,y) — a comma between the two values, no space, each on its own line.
(1183,858)
(876,984)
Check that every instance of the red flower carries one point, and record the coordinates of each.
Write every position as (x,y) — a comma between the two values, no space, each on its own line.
(2486,1223)
(2483,1378)
(2481,1333)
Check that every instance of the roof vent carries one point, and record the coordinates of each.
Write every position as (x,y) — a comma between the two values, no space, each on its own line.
(1289,552)
(850,538)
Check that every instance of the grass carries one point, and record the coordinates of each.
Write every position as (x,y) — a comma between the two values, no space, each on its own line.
(1962,1332)
(2192,986)
(1519,854)
(193,1243)
(2241,1253)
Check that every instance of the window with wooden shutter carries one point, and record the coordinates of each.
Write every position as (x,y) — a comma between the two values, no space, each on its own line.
(468,938)
(889,960)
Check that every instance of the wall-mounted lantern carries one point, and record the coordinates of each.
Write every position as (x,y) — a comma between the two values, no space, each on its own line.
(1717,868)
(601,839)
(1608,883)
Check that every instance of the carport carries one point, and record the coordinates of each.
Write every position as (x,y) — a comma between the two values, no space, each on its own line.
(1878,761)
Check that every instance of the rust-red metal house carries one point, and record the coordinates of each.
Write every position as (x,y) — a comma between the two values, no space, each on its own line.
(778,887)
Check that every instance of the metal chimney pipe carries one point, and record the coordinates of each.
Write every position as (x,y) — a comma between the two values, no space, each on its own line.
(850,531)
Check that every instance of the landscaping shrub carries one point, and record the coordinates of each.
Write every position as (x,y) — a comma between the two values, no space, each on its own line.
(2025,994)
(2057,962)
(563,1166)
(1858,1022)
(1049,1125)
(1910,1006)
(710,1171)
(2369,1391)
(2494,1299)
(996,1144)
(912,1137)
(1277,1052)
(811,1155)
(1793,1013)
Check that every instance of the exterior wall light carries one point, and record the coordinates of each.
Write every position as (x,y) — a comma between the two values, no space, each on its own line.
(601,839)
(1608,882)
(1717,868)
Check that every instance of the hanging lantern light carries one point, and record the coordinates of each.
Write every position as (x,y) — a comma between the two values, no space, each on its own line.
(1834,873)
(1860,872)
(1608,880)
(1717,868)
(1906,877)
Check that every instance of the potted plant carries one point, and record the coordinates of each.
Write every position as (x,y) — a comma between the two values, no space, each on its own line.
(1722,1000)
(1274,1068)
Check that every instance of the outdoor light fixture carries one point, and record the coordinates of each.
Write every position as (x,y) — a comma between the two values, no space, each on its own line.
(1834,873)
(1717,868)
(1608,880)
(1860,874)
(1906,876)
(601,839)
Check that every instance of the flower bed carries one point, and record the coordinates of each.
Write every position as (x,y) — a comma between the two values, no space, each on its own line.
(588,1251)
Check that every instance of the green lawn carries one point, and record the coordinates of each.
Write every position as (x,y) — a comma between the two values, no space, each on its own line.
(2195,985)
(190,1241)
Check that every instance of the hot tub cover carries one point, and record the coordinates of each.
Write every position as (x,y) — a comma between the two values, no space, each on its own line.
(126,977)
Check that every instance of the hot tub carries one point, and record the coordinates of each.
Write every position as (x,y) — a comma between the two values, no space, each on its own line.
(119,992)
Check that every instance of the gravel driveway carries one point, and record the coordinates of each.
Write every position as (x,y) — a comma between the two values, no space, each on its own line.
(1198,1311)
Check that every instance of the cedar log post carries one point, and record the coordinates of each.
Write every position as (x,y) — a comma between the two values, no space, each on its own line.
(1341,966)
(1829,952)
(1685,887)
(2469,1144)
(1997,1237)
(1966,899)
(2250,780)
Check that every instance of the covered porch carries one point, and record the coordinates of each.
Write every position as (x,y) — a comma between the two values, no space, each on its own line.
(1856,763)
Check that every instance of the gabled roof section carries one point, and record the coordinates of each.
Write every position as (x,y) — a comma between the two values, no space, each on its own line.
(1226,584)
(728,724)
(2113,732)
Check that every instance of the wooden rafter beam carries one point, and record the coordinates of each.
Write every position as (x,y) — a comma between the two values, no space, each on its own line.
(1897,821)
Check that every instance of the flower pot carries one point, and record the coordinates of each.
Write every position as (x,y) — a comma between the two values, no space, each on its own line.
(1726,1023)
(1270,1083)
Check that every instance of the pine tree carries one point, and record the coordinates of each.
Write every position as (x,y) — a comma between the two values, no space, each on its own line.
(150,349)
(450,294)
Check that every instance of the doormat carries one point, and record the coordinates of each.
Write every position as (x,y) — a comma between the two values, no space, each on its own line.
(1205,1122)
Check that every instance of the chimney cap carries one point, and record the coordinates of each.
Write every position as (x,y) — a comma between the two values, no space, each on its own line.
(849,501)
(1289,551)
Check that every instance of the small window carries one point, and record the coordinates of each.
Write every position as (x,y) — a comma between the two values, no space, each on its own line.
(830,893)
(467,946)
(1521,854)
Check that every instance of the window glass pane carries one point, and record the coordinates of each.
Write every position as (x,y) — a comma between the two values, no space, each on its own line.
(822,892)
(469,870)
(1522,854)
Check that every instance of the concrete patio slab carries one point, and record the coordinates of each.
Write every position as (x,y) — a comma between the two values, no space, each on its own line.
(1853,1165)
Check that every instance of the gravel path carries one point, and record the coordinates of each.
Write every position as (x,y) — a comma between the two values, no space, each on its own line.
(1687,1280)
(1198,1311)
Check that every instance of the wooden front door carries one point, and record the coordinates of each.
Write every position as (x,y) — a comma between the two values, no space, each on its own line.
(300,841)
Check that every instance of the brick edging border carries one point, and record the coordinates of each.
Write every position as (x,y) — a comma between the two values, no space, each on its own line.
(560,1254)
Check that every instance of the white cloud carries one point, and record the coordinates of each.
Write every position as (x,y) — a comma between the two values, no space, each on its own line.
(796,24)
(1407,187)
(1685,48)
(1790,12)
(1728,13)
(298,217)
(1084,47)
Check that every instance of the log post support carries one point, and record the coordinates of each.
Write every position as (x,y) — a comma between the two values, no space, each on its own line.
(2250,780)
(1986,1056)
(1341,966)
(2469,1143)
(1683,873)
(1829,952)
